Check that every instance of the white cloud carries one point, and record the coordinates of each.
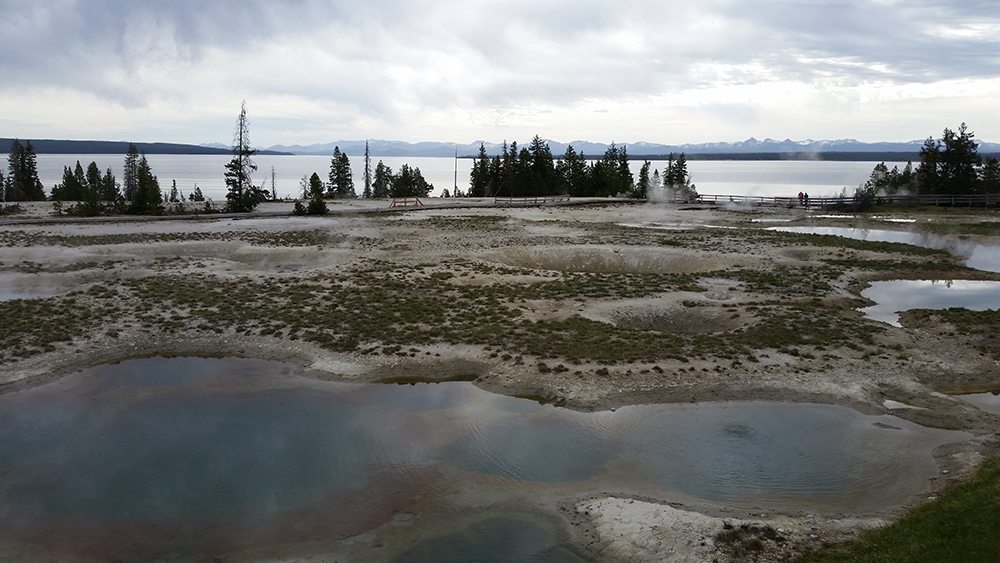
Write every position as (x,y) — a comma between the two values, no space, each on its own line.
(315,71)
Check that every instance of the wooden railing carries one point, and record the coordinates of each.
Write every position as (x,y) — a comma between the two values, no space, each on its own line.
(949,200)
(406,202)
(529,201)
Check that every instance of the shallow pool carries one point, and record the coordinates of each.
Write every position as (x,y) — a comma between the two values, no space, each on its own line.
(893,297)
(195,458)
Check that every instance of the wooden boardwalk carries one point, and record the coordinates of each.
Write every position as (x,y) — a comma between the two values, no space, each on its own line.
(944,200)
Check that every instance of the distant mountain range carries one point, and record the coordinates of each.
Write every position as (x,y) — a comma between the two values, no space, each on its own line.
(750,147)
(61,146)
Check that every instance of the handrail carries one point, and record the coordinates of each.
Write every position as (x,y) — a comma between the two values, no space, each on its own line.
(951,200)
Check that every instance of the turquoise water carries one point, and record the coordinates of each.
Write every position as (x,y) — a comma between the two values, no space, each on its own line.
(197,458)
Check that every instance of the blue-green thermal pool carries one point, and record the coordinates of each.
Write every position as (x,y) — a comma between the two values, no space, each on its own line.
(199,458)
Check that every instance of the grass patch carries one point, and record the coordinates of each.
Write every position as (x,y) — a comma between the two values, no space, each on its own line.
(962,525)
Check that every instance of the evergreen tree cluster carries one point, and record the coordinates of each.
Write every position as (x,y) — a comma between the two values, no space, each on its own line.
(341,184)
(21,182)
(314,191)
(532,171)
(97,193)
(408,182)
(949,165)
(93,190)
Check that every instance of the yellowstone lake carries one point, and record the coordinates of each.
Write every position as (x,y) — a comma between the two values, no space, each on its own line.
(783,178)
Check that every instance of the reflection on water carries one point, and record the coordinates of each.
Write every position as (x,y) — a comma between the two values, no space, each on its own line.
(984,257)
(499,540)
(988,401)
(894,297)
(193,458)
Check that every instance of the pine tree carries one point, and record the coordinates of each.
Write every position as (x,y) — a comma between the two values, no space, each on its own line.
(196,195)
(148,197)
(243,195)
(317,205)
(542,170)
(367,193)
(575,178)
(642,186)
(36,192)
(66,190)
(989,177)
(22,183)
(109,187)
(94,178)
(959,161)
(479,177)
(409,182)
(382,184)
(341,183)
(928,178)
(173,192)
(130,177)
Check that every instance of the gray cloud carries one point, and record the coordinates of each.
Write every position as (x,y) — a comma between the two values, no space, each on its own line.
(382,61)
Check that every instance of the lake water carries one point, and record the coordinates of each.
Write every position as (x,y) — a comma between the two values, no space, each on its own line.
(762,178)
(192,458)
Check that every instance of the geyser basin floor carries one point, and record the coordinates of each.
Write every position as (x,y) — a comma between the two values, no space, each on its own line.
(984,257)
(197,458)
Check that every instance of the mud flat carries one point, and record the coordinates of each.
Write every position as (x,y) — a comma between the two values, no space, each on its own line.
(562,305)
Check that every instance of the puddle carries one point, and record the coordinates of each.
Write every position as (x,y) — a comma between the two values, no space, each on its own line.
(984,257)
(894,297)
(192,458)
(988,401)
(11,295)
(773,220)
(661,226)
(986,397)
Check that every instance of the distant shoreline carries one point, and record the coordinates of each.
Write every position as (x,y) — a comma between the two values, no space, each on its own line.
(832,156)
(57,146)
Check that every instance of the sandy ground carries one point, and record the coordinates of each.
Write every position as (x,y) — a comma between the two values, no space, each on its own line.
(539,241)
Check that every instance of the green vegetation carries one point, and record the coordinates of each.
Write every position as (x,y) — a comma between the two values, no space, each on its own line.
(33,326)
(961,525)
(983,327)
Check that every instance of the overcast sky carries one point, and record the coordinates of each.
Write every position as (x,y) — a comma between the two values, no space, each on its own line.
(658,71)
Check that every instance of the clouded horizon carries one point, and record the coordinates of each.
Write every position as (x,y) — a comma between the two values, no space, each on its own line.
(664,72)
